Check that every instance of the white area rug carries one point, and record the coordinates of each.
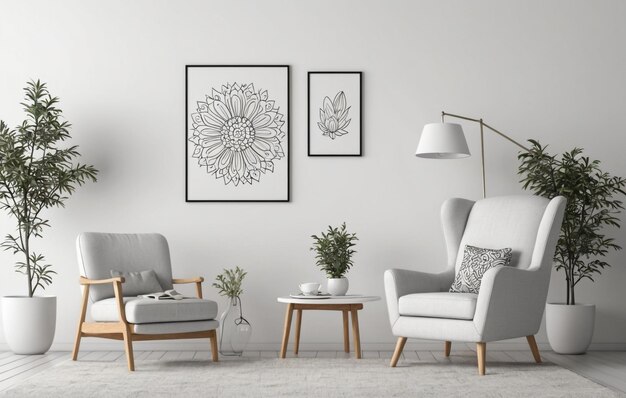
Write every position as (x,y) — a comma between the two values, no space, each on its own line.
(304,377)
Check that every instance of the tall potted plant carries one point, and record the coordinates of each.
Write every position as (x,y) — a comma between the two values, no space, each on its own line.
(333,254)
(592,205)
(35,174)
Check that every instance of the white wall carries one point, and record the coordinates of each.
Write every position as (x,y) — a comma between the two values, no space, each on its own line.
(553,71)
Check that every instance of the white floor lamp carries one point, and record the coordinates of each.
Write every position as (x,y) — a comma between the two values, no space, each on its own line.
(447,141)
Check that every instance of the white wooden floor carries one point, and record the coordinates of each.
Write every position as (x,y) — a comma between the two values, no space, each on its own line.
(603,367)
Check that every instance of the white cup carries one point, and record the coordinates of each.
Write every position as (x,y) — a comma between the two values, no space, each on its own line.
(310,289)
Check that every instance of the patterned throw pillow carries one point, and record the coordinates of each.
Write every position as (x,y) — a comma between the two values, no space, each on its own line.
(476,261)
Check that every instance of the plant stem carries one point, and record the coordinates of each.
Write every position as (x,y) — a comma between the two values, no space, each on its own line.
(30,278)
(26,191)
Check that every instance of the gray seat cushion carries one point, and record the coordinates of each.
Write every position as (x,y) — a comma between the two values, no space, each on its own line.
(141,310)
(439,305)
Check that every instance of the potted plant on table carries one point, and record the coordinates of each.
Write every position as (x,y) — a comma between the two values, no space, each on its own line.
(235,330)
(333,253)
(592,205)
(35,174)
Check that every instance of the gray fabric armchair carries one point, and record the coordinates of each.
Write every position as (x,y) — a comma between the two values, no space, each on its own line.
(132,318)
(511,299)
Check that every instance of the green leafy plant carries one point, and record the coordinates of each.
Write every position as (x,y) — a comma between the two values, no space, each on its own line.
(591,207)
(333,251)
(36,174)
(229,283)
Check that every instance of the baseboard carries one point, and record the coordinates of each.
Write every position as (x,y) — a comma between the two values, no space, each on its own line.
(92,344)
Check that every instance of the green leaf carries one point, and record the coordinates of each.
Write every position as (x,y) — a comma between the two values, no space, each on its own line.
(332,250)
(593,206)
(36,173)
(230,282)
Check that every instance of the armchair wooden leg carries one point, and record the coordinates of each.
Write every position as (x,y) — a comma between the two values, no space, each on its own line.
(481,354)
(396,354)
(213,338)
(81,319)
(533,347)
(447,349)
(76,344)
(128,347)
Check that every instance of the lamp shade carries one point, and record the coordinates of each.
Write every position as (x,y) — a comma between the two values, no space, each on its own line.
(442,141)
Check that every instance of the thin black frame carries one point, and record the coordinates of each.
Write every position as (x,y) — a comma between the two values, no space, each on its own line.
(288,135)
(308,112)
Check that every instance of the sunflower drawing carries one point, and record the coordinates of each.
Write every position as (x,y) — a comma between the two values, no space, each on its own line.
(334,116)
(237,134)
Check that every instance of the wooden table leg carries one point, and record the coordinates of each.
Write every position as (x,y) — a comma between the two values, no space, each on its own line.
(346,332)
(288,314)
(296,346)
(355,331)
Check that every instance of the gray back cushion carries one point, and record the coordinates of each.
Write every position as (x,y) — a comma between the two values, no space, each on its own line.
(505,221)
(100,253)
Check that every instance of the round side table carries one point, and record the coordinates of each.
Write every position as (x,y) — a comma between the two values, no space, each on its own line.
(346,304)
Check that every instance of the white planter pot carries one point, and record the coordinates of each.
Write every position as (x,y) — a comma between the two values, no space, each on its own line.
(29,323)
(337,286)
(570,327)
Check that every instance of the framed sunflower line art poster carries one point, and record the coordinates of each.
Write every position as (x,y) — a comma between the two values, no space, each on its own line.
(237,133)
(334,113)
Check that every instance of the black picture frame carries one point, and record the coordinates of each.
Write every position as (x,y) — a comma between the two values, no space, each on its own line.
(276,111)
(355,152)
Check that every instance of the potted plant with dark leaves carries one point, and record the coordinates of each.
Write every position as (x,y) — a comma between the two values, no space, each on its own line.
(36,173)
(593,208)
(235,330)
(333,254)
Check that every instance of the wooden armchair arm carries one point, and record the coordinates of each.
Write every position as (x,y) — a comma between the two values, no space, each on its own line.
(87,281)
(197,280)
(180,281)
(117,288)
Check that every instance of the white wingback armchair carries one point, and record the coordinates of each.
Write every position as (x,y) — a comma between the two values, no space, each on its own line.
(511,299)
(120,316)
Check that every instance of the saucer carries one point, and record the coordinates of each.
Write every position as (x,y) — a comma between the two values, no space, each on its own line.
(318,296)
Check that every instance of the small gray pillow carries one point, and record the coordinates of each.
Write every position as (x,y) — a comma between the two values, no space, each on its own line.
(476,261)
(140,282)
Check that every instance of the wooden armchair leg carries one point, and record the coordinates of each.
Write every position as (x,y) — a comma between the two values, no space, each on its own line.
(213,338)
(447,349)
(396,354)
(128,347)
(481,354)
(81,319)
(76,344)
(533,347)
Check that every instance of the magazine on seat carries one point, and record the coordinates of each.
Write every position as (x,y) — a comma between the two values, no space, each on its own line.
(166,295)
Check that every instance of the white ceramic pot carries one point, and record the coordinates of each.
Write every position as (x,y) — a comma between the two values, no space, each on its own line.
(570,327)
(337,286)
(29,323)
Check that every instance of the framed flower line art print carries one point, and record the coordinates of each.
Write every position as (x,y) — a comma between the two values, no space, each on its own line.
(334,114)
(237,133)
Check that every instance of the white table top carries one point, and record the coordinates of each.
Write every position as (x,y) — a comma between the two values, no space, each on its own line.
(347,299)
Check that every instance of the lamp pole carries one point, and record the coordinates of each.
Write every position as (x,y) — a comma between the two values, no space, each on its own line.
(482,156)
(482,141)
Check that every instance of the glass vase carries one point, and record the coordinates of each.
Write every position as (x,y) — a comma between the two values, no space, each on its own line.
(235,330)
